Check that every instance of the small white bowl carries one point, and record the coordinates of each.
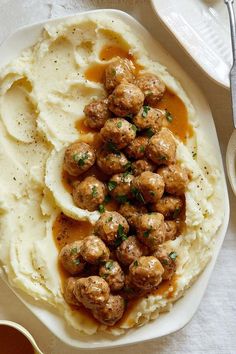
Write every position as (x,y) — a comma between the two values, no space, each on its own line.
(24,331)
(231,161)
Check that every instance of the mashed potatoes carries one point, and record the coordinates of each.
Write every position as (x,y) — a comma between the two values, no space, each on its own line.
(42,97)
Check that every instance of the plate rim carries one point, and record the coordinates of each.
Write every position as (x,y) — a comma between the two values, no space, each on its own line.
(223,228)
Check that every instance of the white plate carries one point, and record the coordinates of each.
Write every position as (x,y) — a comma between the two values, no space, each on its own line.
(202,28)
(185,308)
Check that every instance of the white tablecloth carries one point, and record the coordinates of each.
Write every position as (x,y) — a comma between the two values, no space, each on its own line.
(213,329)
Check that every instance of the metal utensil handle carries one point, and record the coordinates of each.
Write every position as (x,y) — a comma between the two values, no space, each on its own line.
(230,7)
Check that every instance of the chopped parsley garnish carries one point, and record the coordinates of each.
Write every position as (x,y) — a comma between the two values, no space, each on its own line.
(194,154)
(80,160)
(125,175)
(109,265)
(94,191)
(113,148)
(173,255)
(121,236)
(165,261)
(119,124)
(145,111)
(176,213)
(129,116)
(142,149)
(137,194)
(113,72)
(109,219)
(73,251)
(135,263)
(104,276)
(152,193)
(149,132)
(128,166)
(121,199)
(111,185)
(146,233)
(162,158)
(134,128)
(107,199)
(168,115)
(77,261)
(101,208)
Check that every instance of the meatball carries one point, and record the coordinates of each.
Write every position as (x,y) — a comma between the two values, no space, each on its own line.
(168,261)
(119,132)
(136,149)
(126,99)
(130,291)
(141,166)
(119,71)
(111,227)
(132,212)
(79,157)
(111,162)
(129,250)
(94,250)
(97,113)
(111,312)
(89,193)
(175,178)
(146,272)
(151,229)
(113,274)
(119,186)
(70,258)
(171,230)
(92,292)
(169,206)
(148,186)
(149,118)
(161,148)
(152,87)
(69,292)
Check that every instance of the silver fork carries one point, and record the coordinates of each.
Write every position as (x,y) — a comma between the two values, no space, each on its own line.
(230,7)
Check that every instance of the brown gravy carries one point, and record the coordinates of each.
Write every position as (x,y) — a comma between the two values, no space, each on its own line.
(179,125)
(14,342)
(66,230)
(95,72)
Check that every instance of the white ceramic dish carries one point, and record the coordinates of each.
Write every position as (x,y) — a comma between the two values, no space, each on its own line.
(202,28)
(185,308)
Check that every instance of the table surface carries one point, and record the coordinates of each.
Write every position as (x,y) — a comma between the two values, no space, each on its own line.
(213,328)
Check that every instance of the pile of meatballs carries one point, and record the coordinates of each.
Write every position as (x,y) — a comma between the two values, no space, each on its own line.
(127,256)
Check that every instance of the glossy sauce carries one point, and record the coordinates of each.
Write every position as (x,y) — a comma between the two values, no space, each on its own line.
(82,128)
(14,342)
(95,72)
(179,125)
(167,287)
(67,230)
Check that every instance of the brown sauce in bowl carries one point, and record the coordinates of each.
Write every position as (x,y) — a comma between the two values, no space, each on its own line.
(13,341)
